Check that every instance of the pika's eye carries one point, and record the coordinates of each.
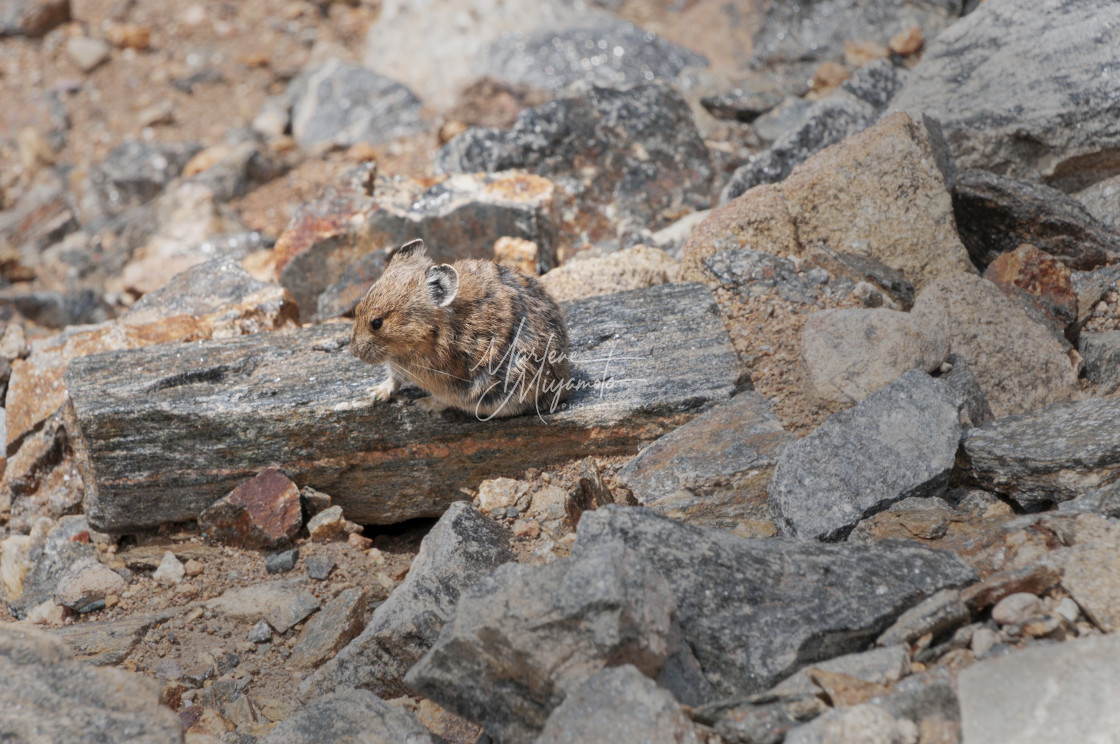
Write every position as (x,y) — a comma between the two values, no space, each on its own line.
(375,324)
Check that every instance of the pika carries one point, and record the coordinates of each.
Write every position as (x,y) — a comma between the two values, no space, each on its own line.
(479,337)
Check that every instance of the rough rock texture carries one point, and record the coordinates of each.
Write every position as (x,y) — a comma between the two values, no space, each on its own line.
(621,55)
(1091,575)
(349,716)
(866,723)
(397,461)
(974,407)
(283,603)
(714,470)
(1042,284)
(362,217)
(48,696)
(879,665)
(847,198)
(631,156)
(86,583)
(340,103)
(856,105)
(618,704)
(463,547)
(1019,365)
(263,512)
(330,629)
(899,442)
(104,643)
(136,172)
(533,635)
(1052,454)
(996,214)
(1102,199)
(1052,120)
(632,268)
(849,354)
(807,601)
(1061,692)
(1101,355)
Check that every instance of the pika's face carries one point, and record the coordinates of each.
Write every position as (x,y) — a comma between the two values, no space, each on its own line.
(401,315)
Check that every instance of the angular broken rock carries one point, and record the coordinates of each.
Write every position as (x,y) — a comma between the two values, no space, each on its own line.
(973,74)
(263,512)
(1019,365)
(1101,355)
(49,696)
(86,584)
(1051,454)
(1043,286)
(618,704)
(208,416)
(330,630)
(850,353)
(333,242)
(714,470)
(349,715)
(538,633)
(899,442)
(807,601)
(996,214)
(283,603)
(828,199)
(104,643)
(463,547)
(641,144)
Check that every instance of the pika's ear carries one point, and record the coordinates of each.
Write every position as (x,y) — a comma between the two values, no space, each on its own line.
(443,284)
(408,250)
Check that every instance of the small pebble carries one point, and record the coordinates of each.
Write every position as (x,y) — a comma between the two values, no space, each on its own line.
(319,566)
(983,640)
(1016,608)
(261,632)
(281,562)
(1068,610)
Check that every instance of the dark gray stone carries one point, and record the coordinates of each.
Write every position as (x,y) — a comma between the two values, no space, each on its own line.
(974,407)
(319,566)
(350,716)
(618,704)
(857,268)
(341,103)
(996,214)
(136,172)
(1058,692)
(156,427)
(463,547)
(343,296)
(855,106)
(1050,454)
(607,52)
(281,562)
(106,643)
(1053,120)
(806,601)
(54,309)
(714,469)
(649,157)
(49,696)
(524,638)
(260,633)
(1104,500)
(898,442)
(1101,355)
(741,105)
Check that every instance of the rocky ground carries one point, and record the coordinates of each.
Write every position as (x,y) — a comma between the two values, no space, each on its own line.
(841,280)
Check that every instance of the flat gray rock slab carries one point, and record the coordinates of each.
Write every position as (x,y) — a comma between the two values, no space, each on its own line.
(1052,454)
(898,442)
(1065,692)
(350,716)
(755,611)
(162,432)
(463,547)
(46,695)
(1014,118)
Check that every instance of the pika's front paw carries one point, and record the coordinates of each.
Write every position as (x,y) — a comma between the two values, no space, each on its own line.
(384,391)
(431,405)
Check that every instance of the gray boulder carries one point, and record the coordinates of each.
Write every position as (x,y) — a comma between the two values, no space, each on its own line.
(618,704)
(341,103)
(1053,120)
(755,611)
(642,144)
(1052,454)
(355,716)
(899,442)
(136,172)
(525,638)
(1100,353)
(463,547)
(46,695)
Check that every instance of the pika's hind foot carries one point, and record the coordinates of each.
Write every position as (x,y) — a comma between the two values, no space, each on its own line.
(431,405)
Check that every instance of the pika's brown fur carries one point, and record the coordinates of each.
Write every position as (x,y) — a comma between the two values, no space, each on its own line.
(479,337)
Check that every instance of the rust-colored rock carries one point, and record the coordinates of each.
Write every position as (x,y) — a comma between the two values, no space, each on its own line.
(261,513)
(1036,579)
(1041,280)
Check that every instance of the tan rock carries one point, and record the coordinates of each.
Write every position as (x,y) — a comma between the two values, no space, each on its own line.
(1019,365)
(327,524)
(878,194)
(1091,574)
(502,493)
(907,41)
(828,77)
(633,268)
(859,53)
(14,553)
(517,253)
